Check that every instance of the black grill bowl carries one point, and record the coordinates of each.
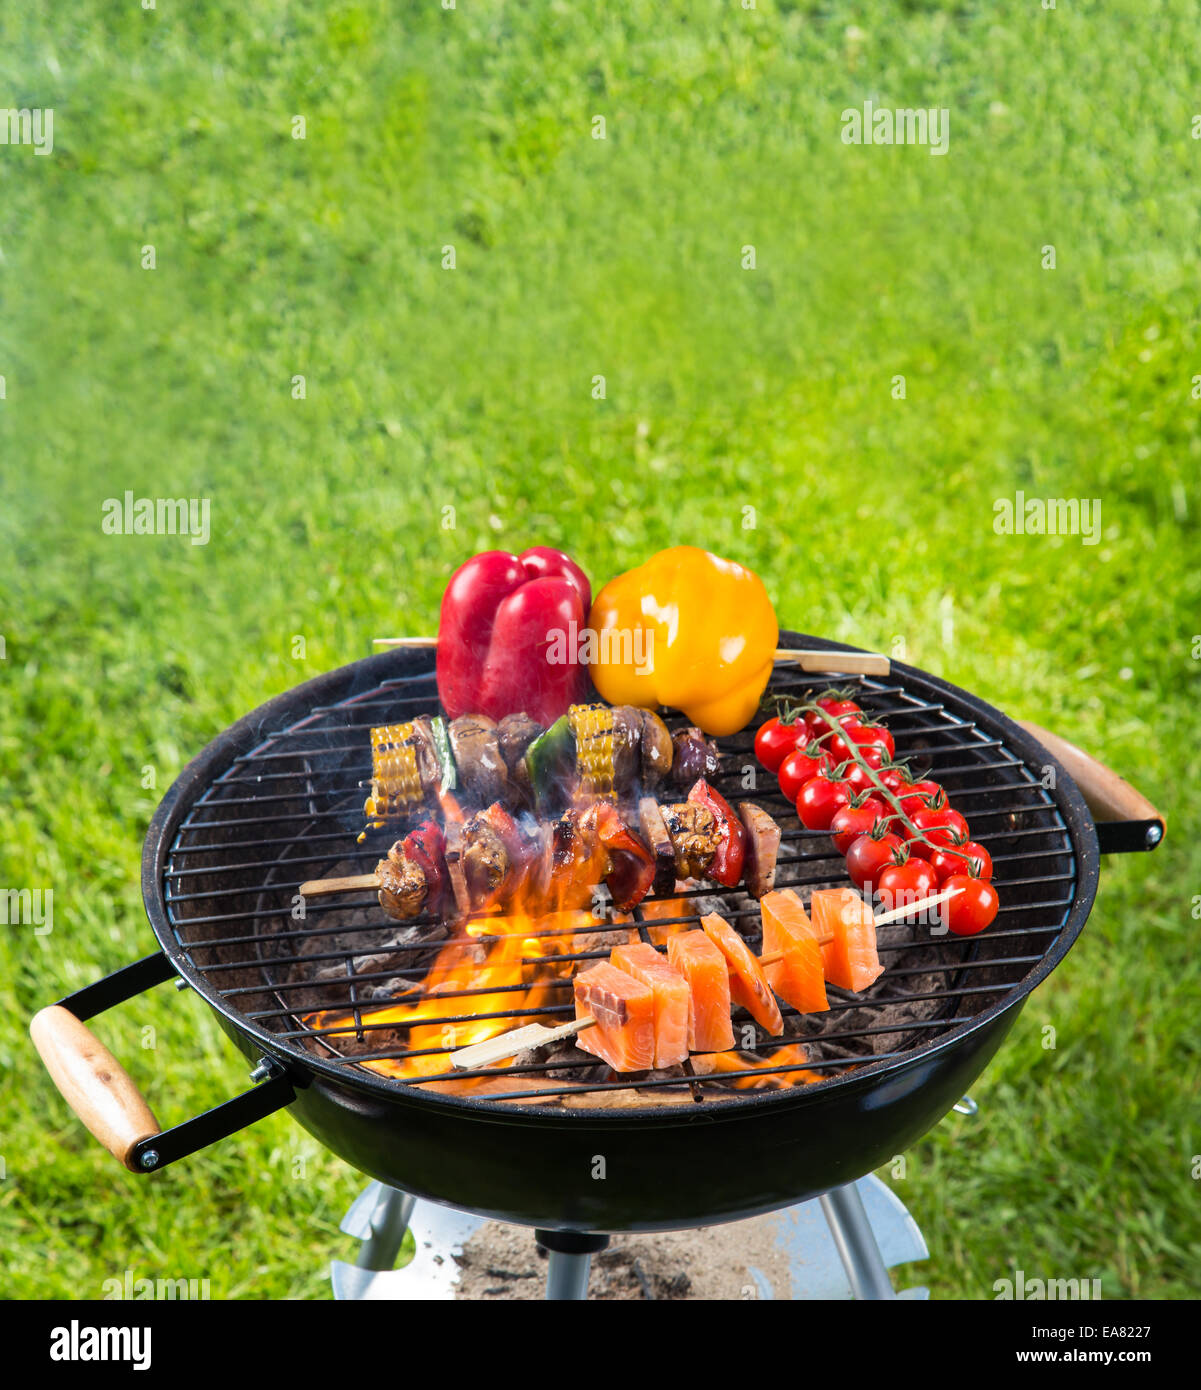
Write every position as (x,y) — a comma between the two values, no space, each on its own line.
(274,801)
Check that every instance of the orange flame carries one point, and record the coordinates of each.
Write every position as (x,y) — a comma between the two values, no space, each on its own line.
(713,1063)
(666,907)
(515,961)
(502,963)
(512,969)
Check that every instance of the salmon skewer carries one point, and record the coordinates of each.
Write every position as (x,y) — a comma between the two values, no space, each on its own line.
(634,1006)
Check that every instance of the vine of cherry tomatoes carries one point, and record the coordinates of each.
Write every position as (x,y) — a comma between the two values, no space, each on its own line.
(899,836)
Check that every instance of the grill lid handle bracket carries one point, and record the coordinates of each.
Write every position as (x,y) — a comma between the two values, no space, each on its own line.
(1125,819)
(155,1151)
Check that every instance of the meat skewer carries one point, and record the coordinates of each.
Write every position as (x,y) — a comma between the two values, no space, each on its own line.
(599,751)
(489,855)
(605,995)
(808,658)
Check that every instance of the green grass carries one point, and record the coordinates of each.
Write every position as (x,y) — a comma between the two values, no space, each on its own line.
(471,389)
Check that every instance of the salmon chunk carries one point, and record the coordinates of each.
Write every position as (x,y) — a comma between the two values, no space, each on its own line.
(850,959)
(624,1010)
(798,978)
(704,967)
(673,998)
(748,984)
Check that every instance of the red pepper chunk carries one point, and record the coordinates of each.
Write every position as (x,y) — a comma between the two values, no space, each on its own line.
(426,847)
(726,868)
(632,866)
(500,614)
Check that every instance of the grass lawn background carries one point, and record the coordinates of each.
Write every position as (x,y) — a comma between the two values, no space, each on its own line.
(725,390)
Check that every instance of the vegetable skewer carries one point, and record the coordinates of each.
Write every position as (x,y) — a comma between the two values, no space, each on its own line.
(615,751)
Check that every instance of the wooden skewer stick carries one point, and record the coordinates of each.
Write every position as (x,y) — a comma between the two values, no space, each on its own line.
(532,1035)
(496,1049)
(909,909)
(316,886)
(814,659)
(817,659)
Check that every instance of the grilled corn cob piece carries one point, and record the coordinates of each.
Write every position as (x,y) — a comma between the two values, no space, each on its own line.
(396,788)
(592,726)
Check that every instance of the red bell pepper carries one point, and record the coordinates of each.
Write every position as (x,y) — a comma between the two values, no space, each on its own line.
(499,616)
(727,862)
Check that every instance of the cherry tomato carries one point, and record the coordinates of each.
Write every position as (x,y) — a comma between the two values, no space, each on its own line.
(818,800)
(974,908)
(919,794)
(851,821)
(902,884)
(837,745)
(896,779)
(869,855)
(872,736)
(798,767)
(969,857)
(775,740)
(940,827)
(836,709)
(857,776)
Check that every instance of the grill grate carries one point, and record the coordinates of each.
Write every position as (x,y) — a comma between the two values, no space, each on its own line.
(291,809)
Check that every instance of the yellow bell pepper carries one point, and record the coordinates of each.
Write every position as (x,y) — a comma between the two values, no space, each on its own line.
(687,629)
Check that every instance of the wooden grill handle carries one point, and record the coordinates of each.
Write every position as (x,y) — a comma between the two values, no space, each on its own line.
(1108,796)
(93,1083)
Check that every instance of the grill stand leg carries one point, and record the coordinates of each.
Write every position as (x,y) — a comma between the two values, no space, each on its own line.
(856,1243)
(567,1276)
(389,1222)
(379,1218)
(568,1262)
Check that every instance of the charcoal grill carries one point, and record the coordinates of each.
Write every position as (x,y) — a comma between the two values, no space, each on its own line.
(277,799)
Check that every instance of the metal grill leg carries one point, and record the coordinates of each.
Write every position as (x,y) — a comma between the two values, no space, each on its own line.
(568,1261)
(389,1222)
(567,1275)
(379,1218)
(856,1243)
